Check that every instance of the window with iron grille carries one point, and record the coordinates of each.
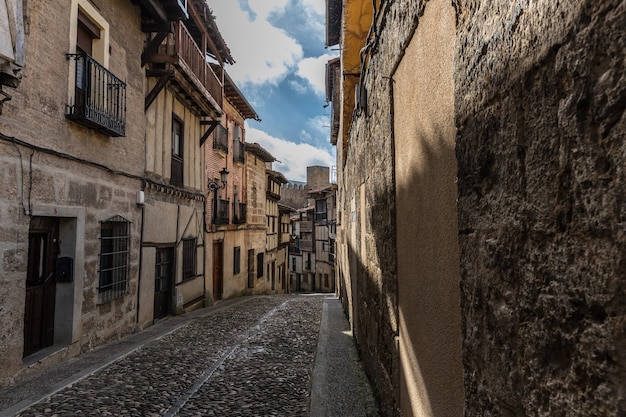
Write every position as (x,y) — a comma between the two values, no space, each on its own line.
(114,259)
(189,258)
(236,260)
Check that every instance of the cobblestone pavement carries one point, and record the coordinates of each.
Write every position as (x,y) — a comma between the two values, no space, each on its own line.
(255,359)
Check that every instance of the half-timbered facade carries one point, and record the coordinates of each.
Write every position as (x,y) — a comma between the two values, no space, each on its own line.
(183,105)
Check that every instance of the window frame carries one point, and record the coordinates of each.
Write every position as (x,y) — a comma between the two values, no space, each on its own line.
(114,260)
(178,158)
(190,256)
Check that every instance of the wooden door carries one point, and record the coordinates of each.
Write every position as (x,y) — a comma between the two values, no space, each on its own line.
(218,270)
(163,281)
(43,249)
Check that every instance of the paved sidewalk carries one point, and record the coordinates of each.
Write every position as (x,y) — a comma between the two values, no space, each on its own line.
(247,356)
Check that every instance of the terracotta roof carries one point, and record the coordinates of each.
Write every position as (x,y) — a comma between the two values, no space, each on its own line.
(285,207)
(260,152)
(236,97)
(278,176)
(321,190)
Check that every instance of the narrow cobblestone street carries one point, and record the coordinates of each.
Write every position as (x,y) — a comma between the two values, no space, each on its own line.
(255,358)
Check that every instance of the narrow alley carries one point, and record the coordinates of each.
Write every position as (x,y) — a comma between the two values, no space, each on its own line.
(251,356)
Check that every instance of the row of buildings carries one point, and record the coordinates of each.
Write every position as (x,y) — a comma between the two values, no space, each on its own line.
(129,191)
(481,161)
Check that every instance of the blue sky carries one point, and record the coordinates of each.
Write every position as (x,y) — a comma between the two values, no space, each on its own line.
(280,54)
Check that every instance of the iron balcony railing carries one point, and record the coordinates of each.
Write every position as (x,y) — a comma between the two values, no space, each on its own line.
(220,138)
(99,100)
(221,212)
(238,151)
(239,213)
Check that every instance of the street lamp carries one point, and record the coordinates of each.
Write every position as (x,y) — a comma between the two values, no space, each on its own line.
(221,183)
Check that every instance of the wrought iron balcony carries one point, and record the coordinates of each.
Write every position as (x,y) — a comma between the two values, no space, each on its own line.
(238,151)
(99,100)
(220,138)
(221,212)
(239,213)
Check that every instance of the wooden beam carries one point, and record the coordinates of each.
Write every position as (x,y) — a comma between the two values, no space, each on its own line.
(212,125)
(152,95)
(153,46)
(155,27)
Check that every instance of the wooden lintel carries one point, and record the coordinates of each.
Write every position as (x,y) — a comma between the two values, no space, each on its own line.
(159,72)
(152,47)
(152,95)
(212,125)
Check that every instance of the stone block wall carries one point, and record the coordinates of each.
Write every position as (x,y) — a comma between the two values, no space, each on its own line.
(540,96)
(540,101)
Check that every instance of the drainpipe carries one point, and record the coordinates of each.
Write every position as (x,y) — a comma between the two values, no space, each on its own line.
(140,265)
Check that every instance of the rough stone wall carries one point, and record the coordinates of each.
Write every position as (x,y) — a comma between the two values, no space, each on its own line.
(367,231)
(317,177)
(540,99)
(294,195)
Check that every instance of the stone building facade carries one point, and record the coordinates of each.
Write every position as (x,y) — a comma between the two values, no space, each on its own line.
(70,225)
(480,226)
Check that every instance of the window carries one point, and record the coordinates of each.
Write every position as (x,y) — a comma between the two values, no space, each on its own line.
(114,258)
(320,210)
(177,152)
(189,258)
(236,260)
(293,264)
(259,265)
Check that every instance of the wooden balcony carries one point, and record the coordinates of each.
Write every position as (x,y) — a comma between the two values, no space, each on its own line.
(194,72)
(306,227)
(306,245)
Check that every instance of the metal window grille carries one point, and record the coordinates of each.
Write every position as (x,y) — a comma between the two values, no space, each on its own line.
(189,258)
(114,259)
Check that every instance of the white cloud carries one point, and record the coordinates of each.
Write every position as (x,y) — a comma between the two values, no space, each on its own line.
(318,5)
(263,7)
(320,124)
(313,70)
(263,53)
(294,157)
